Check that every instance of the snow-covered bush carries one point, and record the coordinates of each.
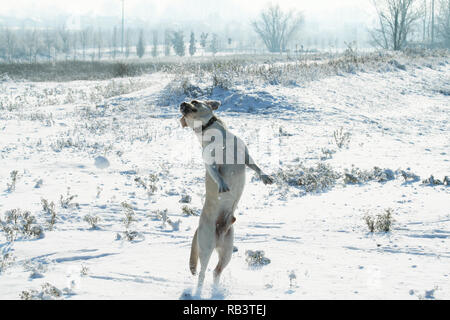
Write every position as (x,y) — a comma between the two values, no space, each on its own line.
(18,223)
(312,179)
(357,176)
(436,182)
(47,292)
(408,176)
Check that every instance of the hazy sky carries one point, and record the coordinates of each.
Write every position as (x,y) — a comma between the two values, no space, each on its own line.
(228,9)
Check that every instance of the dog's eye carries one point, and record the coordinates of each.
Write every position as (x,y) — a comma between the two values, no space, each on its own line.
(194,102)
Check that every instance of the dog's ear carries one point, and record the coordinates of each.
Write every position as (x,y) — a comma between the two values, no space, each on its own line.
(214,104)
(183,122)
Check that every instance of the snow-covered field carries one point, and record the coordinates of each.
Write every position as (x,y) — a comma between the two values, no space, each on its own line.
(318,244)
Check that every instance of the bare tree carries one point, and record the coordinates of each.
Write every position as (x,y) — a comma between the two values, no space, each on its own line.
(396,19)
(203,38)
(127,44)
(424,18)
(167,42)
(84,38)
(74,41)
(49,42)
(276,28)
(33,45)
(192,48)
(214,45)
(10,43)
(155,44)
(178,43)
(99,42)
(64,35)
(443,22)
(114,43)
(140,47)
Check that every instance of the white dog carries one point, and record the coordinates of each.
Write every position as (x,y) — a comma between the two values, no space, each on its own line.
(226,157)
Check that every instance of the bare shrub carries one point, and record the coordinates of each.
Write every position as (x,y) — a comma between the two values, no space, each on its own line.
(341,138)
(381,223)
(188,211)
(129,214)
(121,69)
(6,257)
(66,201)
(92,220)
(370,221)
(186,199)
(149,184)
(162,216)
(10,187)
(408,176)
(326,154)
(256,258)
(49,209)
(84,271)
(222,80)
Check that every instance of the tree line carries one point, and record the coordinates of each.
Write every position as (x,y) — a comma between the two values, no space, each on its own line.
(96,44)
(400,23)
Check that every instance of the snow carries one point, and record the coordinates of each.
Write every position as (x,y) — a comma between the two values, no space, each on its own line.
(101,162)
(317,243)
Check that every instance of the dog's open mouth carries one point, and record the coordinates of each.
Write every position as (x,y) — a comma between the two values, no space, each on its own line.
(186,108)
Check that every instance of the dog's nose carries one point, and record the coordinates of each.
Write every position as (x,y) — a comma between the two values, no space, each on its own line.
(183,107)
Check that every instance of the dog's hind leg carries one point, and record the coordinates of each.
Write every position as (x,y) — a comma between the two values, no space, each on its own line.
(225,250)
(206,244)
(194,254)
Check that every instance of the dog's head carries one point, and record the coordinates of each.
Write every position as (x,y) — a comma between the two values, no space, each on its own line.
(197,111)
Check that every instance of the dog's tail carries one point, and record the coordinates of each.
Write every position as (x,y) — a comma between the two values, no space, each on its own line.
(194,254)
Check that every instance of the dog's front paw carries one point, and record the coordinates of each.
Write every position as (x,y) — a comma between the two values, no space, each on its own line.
(266,179)
(223,187)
